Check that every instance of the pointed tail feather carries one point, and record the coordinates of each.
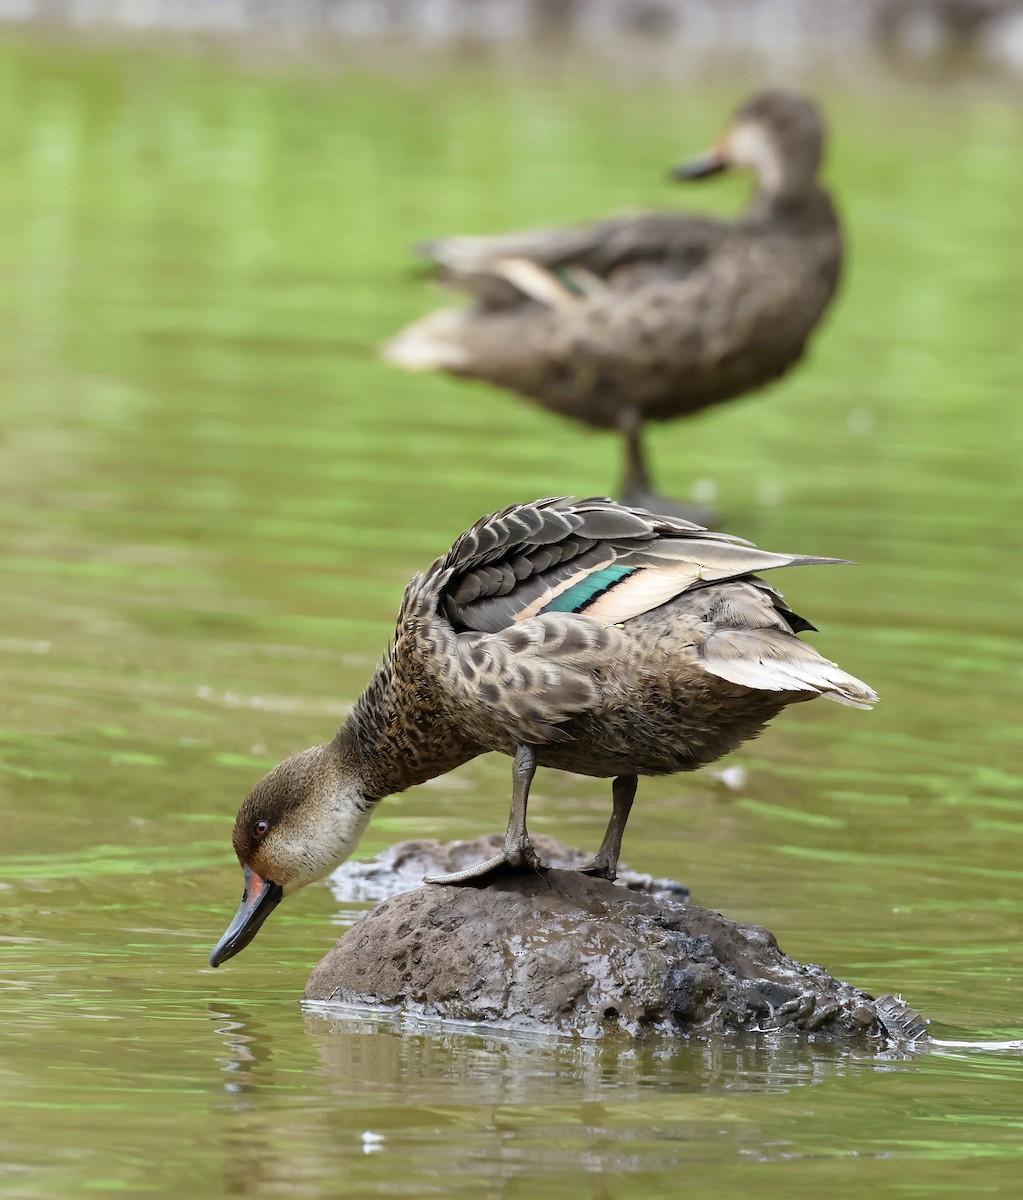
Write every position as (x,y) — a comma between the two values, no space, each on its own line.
(428,344)
(772,661)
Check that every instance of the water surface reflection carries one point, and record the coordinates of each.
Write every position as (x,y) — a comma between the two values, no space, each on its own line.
(211,498)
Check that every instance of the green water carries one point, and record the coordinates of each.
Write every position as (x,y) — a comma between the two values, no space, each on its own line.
(211,497)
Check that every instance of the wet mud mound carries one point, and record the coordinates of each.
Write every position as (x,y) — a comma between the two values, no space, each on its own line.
(560,951)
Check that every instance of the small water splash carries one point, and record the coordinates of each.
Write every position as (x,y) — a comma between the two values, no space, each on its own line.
(906,1026)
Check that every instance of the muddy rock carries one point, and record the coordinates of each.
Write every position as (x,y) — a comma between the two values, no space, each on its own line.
(560,951)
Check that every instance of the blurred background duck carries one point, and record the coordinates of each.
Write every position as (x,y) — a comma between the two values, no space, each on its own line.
(656,315)
(580,635)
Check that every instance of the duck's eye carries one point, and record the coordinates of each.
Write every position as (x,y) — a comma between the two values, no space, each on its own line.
(260,828)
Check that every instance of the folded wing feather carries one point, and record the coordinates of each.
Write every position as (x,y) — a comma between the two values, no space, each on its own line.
(553,565)
(525,572)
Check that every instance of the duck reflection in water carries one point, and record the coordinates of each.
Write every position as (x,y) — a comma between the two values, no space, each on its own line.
(248,1048)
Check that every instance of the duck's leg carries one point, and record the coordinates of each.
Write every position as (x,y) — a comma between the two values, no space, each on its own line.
(518,853)
(636,487)
(605,864)
(636,484)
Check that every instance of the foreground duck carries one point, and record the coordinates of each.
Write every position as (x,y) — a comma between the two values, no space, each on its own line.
(650,316)
(581,635)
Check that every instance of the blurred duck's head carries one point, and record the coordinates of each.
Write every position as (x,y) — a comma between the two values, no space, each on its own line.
(778,135)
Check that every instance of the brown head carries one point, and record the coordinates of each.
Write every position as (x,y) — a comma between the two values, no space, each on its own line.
(777,134)
(299,823)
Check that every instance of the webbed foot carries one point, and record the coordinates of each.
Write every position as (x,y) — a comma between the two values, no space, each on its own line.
(516,856)
(600,868)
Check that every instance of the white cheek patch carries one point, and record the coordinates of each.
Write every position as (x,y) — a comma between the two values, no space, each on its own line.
(314,851)
(751,146)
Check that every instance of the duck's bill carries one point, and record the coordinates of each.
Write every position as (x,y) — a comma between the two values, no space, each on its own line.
(701,167)
(259,900)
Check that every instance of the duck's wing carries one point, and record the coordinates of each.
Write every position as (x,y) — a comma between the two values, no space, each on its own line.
(552,265)
(590,557)
(526,607)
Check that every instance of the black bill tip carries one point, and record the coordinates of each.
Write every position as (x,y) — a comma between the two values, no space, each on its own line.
(259,900)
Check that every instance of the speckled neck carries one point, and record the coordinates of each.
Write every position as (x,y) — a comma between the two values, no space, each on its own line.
(397,736)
